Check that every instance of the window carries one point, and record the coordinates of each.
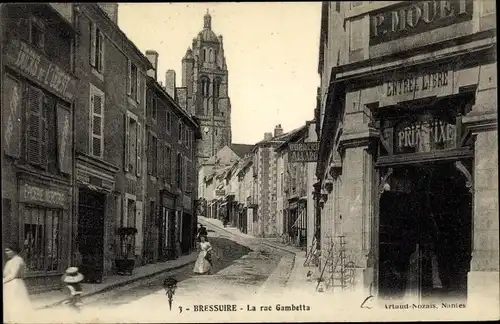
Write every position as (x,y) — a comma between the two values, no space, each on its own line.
(186,135)
(179,133)
(205,85)
(155,108)
(211,55)
(337,6)
(41,241)
(179,170)
(217,83)
(37,33)
(204,55)
(96,48)
(152,154)
(133,82)
(167,161)
(133,147)
(96,146)
(37,132)
(169,122)
(186,181)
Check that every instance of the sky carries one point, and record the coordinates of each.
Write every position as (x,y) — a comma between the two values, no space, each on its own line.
(271,53)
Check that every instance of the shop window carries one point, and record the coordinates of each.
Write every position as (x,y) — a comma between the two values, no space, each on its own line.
(133,147)
(96,146)
(152,155)
(41,238)
(37,133)
(96,48)
(37,33)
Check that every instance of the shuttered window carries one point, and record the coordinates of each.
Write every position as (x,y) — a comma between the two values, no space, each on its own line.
(179,170)
(132,161)
(96,48)
(168,164)
(96,122)
(37,134)
(133,81)
(152,154)
(169,122)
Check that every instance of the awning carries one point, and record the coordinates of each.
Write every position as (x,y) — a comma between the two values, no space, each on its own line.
(300,222)
(95,188)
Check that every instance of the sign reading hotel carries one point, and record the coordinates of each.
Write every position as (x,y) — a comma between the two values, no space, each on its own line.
(40,69)
(405,20)
(413,87)
(303,152)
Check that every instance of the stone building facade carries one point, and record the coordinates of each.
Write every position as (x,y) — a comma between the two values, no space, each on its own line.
(205,90)
(109,142)
(38,92)
(171,171)
(408,117)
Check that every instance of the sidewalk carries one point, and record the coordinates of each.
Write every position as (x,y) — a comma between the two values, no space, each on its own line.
(55,297)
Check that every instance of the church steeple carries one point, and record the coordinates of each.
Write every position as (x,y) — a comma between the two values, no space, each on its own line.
(207,21)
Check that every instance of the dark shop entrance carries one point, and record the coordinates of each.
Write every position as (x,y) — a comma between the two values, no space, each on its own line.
(425,233)
(91,234)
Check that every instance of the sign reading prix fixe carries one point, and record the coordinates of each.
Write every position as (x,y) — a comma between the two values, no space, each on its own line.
(26,60)
(303,152)
(405,20)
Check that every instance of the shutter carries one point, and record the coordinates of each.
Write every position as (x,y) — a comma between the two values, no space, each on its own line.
(44,128)
(124,217)
(11,111)
(93,31)
(100,52)
(149,155)
(34,125)
(129,77)
(139,85)
(184,169)
(139,149)
(138,225)
(158,151)
(64,139)
(126,154)
(97,115)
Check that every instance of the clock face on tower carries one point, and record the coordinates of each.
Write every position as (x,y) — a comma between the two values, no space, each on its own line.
(205,129)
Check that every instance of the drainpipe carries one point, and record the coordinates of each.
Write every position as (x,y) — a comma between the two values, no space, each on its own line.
(73,212)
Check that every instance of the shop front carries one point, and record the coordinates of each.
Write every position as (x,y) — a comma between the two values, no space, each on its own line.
(166,242)
(44,229)
(425,208)
(187,229)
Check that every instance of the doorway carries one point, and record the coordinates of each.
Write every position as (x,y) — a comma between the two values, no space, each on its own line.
(425,233)
(91,234)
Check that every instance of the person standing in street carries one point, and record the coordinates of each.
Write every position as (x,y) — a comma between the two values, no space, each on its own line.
(16,301)
(72,279)
(203,263)
(202,231)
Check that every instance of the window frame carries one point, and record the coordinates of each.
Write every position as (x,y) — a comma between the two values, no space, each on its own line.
(133,83)
(37,23)
(168,122)
(167,174)
(138,146)
(96,48)
(93,92)
(152,155)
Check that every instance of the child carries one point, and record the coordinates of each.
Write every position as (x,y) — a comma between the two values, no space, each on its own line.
(72,279)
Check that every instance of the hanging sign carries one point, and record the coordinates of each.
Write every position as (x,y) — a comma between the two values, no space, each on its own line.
(27,61)
(303,152)
(420,16)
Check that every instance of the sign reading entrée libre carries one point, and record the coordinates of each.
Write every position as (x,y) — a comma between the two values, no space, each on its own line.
(303,152)
(413,87)
(420,16)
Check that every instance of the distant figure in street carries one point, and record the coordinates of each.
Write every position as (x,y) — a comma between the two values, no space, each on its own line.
(72,280)
(203,264)
(16,302)
(202,231)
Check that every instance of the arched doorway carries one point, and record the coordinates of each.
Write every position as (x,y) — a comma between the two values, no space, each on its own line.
(425,232)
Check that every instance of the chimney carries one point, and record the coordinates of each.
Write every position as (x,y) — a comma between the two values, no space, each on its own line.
(170,83)
(268,136)
(278,130)
(153,58)
(111,9)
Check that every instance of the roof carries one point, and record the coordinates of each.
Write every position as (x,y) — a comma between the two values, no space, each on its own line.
(280,139)
(292,136)
(241,149)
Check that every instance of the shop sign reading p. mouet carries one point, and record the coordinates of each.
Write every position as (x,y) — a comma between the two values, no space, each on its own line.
(405,19)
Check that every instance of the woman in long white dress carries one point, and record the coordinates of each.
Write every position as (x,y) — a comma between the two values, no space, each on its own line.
(16,301)
(203,264)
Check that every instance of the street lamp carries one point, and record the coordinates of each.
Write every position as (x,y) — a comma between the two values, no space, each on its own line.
(170,284)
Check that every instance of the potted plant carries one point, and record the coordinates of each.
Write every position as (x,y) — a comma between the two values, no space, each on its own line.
(125,259)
